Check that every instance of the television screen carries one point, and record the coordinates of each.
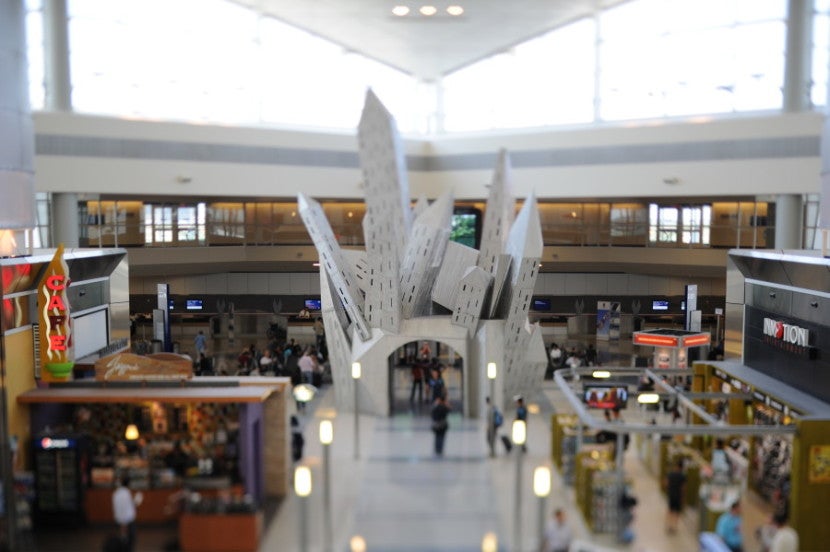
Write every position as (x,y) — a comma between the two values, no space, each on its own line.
(466,226)
(605,395)
(660,305)
(313,304)
(541,304)
(193,304)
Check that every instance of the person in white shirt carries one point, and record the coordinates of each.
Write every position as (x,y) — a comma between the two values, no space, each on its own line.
(124,510)
(555,356)
(558,533)
(785,538)
(308,365)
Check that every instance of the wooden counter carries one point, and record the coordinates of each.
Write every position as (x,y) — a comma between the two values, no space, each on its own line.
(220,532)
(156,507)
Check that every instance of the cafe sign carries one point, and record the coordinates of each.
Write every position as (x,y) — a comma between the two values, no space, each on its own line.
(57,355)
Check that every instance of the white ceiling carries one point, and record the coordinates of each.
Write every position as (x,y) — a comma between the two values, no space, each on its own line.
(427,47)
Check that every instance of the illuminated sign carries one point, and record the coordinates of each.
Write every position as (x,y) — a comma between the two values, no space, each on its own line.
(788,333)
(49,443)
(661,340)
(56,350)
(788,337)
(702,339)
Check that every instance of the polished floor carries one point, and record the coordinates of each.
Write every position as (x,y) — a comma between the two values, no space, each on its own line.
(392,492)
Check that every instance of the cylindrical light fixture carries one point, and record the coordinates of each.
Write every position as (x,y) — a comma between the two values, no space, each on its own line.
(428,10)
(131,434)
(601,374)
(490,542)
(491,370)
(357,544)
(302,481)
(355,370)
(541,481)
(648,398)
(326,432)
(519,432)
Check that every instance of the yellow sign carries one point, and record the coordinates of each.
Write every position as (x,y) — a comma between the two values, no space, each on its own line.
(819,469)
(57,355)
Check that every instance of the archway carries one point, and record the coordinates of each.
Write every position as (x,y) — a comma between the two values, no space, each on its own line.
(424,357)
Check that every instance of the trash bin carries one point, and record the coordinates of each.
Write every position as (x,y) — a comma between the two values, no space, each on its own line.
(176,347)
(156,346)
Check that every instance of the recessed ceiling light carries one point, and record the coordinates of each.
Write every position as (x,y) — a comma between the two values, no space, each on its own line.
(428,10)
(455,10)
(400,11)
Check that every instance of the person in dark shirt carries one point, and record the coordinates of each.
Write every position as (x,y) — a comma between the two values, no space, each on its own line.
(675,481)
(440,425)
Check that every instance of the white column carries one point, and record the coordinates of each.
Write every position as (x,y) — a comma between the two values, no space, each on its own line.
(65,224)
(797,63)
(56,56)
(17,188)
(788,221)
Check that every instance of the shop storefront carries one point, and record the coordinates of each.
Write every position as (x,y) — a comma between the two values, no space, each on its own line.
(208,452)
(778,307)
(198,454)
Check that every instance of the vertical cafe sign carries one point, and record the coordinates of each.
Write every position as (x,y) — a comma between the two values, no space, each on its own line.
(56,351)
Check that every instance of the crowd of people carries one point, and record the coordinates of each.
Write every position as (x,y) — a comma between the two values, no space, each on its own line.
(303,363)
(573,357)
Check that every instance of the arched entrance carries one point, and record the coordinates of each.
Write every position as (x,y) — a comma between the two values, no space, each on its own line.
(424,357)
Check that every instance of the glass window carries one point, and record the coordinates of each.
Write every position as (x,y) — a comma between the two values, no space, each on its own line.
(691,56)
(545,81)
(821,52)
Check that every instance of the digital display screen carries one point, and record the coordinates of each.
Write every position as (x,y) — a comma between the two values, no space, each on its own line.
(605,396)
(541,305)
(466,226)
(194,304)
(313,304)
(660,305)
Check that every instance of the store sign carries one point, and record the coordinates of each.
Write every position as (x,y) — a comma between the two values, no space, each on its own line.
(48,443)
(655,340)
(789,337)
(56,350)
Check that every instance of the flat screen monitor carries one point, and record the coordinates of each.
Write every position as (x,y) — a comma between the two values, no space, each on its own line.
(466,226)
(194,304)
(313,304)
(542,305)
(605,395)
(660,305)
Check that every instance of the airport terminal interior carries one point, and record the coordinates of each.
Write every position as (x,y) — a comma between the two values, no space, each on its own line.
(398,276)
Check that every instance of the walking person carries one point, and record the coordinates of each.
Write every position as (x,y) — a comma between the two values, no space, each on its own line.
(675,482)
(308,365)
(124,506)
(494,421)
(785,538)
(558,534)
(521,414)
(439,388)
(440,425)
(200,342)
(417,382)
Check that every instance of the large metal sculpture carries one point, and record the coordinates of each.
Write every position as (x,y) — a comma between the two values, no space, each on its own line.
(413,283)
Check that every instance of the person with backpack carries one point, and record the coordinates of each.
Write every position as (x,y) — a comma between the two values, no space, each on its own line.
(495,419)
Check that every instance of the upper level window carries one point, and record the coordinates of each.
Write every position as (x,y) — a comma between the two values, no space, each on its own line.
(688,225)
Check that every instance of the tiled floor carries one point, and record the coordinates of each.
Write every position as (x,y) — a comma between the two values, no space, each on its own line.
(398,497)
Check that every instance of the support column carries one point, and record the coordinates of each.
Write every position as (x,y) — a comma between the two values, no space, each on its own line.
(797,63)
(56,56)
(788,221)
(65,223)
(17,187)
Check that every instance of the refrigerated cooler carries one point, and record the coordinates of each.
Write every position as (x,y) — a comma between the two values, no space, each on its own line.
(60,479)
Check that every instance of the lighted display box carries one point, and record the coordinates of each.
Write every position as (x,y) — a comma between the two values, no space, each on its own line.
(671,346)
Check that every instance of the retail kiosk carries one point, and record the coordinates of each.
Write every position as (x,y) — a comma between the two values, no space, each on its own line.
(61,313)
(778,349)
